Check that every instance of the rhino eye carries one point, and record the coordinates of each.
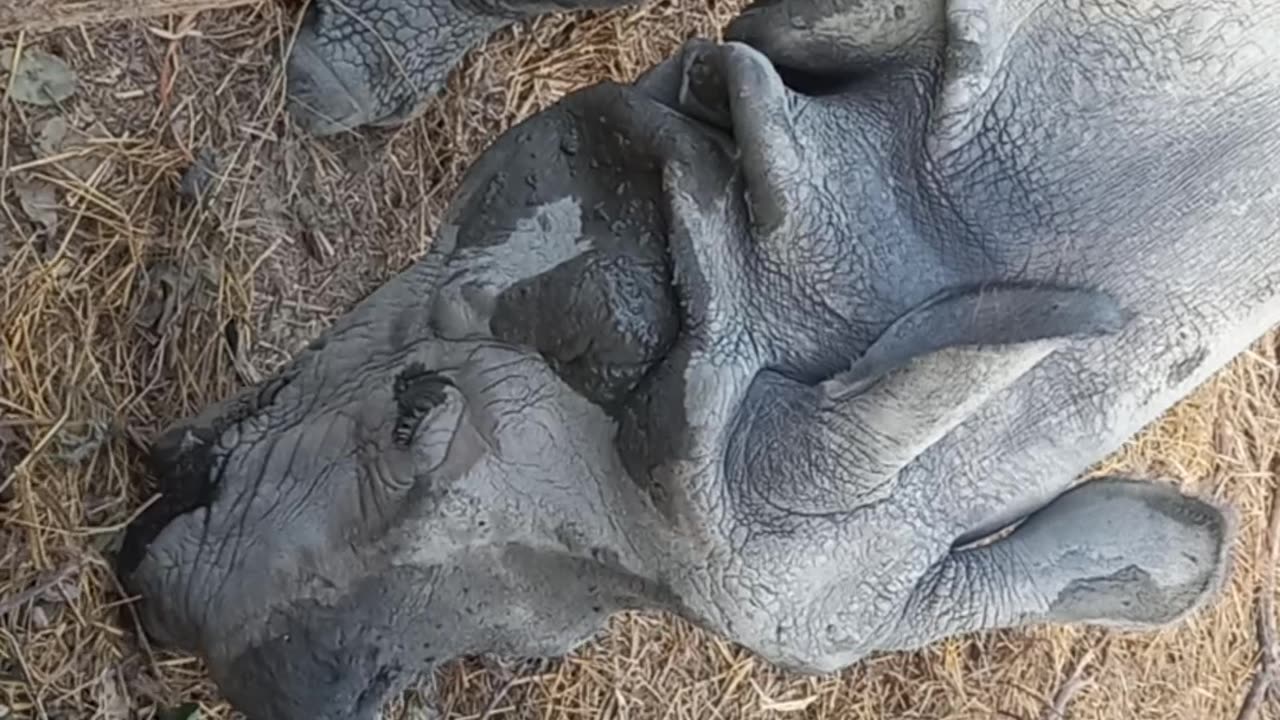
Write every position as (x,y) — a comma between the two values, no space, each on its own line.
(417,391)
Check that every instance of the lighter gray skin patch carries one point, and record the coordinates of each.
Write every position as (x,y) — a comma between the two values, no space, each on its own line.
(762,482)
(476,276)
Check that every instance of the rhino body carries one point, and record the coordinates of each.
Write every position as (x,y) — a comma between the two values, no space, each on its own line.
(806,336)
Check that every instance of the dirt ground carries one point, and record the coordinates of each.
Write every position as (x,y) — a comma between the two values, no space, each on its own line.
(126,303)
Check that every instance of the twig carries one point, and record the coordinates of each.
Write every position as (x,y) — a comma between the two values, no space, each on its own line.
(50,581)
(1268,665)
(1057,710)
(498,697)
(512,677)
(39,447)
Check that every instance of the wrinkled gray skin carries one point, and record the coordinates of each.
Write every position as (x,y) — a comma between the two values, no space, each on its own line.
(377,62)
(787,364)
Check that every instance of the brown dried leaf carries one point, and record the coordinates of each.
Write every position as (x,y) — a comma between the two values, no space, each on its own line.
(75,445)
(164,291)
(112,703)
(53,136)
(200,177)
(39,201)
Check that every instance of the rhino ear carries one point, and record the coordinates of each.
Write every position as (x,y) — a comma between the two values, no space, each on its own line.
(933,368)
(929,372)
(1114,552)
(997,323)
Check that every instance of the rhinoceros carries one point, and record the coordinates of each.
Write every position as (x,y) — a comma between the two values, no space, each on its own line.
(807,336)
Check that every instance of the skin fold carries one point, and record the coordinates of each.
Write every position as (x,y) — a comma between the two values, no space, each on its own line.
(806,337)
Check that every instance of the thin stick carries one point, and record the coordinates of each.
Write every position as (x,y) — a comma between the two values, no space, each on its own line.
(1267,669)
(1057,710)
(498,697)
(512,680)
(50,581)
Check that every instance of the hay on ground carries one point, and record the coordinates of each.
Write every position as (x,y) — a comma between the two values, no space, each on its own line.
(52,14)
(124,306)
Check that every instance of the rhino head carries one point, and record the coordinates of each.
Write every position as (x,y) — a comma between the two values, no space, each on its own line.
(299,563)
(814,362)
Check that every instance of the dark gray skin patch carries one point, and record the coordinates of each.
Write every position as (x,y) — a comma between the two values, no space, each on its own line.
(357,652)
(606,321)
(966,56)
(582,317)
(186,480)
(605,316)
(342,661)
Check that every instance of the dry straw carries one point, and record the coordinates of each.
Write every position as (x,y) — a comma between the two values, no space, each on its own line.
(129,306)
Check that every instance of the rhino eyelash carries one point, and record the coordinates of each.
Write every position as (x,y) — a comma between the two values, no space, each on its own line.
(405,428)
(417,392)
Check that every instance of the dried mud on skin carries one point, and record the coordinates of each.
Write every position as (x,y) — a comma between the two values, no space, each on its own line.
(155,290)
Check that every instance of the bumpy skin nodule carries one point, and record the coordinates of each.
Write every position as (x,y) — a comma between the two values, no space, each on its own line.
(780,362)
(377,62)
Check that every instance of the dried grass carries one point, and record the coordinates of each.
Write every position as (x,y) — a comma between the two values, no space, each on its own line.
(52,14)
(139,308)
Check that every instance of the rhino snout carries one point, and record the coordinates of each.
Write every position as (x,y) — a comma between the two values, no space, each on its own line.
(326,95)
(377,62)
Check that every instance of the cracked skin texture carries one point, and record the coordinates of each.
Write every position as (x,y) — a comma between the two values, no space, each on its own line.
(377,62)
(787,379)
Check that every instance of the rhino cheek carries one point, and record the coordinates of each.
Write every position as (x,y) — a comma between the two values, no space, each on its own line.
(334,660)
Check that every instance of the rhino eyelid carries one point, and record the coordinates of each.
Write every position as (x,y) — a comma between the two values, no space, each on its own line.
(404,430)
(269,391)
(414,412)
(407,425)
